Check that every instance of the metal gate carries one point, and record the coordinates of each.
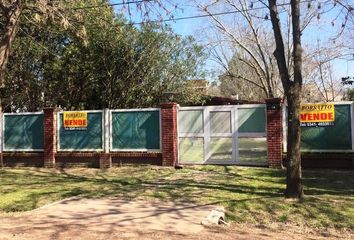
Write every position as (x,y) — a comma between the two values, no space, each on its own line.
(222,135)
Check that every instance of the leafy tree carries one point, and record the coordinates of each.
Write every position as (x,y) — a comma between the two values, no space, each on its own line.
(349,95)
(117,66)
(67,14)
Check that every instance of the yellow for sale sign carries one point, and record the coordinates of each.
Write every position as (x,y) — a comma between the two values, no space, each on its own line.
(75,120)
(317,114)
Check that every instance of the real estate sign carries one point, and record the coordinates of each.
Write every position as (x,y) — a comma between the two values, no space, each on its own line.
(317,115)
(75,120)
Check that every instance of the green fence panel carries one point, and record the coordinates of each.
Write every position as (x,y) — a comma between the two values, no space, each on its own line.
(136,130)
(337,137)
(86,139)
(252,120)
(23,132)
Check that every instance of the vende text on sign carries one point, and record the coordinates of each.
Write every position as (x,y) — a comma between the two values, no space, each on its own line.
(317,114)
(75,120)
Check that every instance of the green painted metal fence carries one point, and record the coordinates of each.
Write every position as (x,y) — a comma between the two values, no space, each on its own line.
(90,138)
(337,137)
(135,130)
(23,132)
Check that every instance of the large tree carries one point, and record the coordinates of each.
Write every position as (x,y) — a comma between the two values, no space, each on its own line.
(247,32)
(293,85)
(65,13)
(117,66)
(292,90)
(249,41)
(292,81)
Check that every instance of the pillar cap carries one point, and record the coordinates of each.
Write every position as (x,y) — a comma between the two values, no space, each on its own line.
(168,105)
(274,100)
(46,109)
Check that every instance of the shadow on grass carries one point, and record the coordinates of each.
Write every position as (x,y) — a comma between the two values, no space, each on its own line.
(249,194)
(329,182)
(33,186)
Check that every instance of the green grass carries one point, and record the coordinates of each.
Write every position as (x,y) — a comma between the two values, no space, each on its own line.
(252,195)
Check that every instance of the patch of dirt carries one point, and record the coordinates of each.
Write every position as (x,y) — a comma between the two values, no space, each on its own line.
(113,218)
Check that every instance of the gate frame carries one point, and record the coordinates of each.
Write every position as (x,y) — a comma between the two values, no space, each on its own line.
(234,135)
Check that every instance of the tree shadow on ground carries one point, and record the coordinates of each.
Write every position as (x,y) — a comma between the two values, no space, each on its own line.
(330,182)
(247,193)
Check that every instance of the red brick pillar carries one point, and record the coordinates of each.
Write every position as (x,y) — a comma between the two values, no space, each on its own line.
(50,136)
(274,132)
(105,160)
(169,134)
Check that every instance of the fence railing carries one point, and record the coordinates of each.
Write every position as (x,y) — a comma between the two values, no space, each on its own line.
(135,130)
(89,139)
(336,138)
(106,130)
(22,131)
(140,130)
(239,134)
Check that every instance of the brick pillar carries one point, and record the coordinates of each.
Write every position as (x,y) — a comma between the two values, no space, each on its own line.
(169,134)
(50,136)
(274,132)
(105,160)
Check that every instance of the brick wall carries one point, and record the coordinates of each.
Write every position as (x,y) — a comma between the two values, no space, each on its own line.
(50,157)
(274,132)
(105,160)
(77,159)
(169,134)
(150,158)
(50,136)
(14,159)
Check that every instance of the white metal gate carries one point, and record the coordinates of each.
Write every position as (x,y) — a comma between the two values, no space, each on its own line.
(222,135)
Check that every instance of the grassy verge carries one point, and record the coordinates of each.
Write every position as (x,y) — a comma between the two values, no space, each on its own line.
(252,195)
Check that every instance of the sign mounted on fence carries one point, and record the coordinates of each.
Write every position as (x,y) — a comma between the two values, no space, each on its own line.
(75,120)
(317,115)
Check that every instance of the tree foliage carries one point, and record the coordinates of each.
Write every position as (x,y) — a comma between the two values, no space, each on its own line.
(116,64)
(349,95)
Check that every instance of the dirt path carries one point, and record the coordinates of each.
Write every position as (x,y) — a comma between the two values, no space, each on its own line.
(121,219)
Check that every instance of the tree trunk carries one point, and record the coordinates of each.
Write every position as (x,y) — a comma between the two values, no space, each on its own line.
(12,15)
(294,188)
(292,91)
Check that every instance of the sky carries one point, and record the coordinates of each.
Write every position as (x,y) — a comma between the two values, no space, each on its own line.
(196,26)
